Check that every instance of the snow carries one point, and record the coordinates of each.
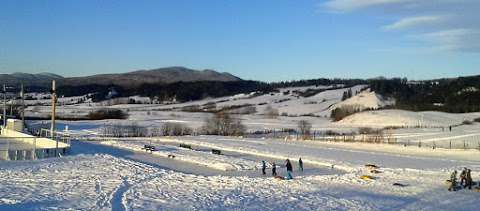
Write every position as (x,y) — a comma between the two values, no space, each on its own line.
(402,118)
(117,174)
(365,100)
(106,182)
(198,157)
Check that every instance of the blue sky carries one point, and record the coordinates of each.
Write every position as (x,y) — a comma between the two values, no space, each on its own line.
(267,40)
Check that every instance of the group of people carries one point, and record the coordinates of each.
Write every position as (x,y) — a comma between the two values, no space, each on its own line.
(465,179)
(288,166)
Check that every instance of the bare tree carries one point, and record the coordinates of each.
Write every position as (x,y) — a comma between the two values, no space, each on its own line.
(175,129)
(304,127)
(271,113)
(223,124)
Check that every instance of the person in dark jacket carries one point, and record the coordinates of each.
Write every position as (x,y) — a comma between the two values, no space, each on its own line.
(469,180)
(463,177)
(300,164)
(274,169)
(264,167)
(453,181)
(289,169)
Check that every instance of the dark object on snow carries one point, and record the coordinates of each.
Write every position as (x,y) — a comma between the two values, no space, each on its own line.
(463,177)
(468,180)
(216,152)
(289,169)
(288,165)
(374,171)
(300,164)
(264,166)
(149,148)
(171,156)
(274,169)
(186,146)
(372,166)
(399,184)
(453,181)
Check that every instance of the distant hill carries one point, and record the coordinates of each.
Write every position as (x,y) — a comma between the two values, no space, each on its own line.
(128,80)
(156,76)
(40,79)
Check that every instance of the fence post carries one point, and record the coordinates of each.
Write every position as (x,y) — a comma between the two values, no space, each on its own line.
(450,144)
(419,144)
(464,145)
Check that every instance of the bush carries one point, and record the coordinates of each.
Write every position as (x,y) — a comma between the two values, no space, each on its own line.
(342,112)
(107,114)
(271,113)
(304,127)
(175,129)
(223,124)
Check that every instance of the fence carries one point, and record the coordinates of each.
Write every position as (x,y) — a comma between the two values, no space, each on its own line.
(15,145)
(472,142)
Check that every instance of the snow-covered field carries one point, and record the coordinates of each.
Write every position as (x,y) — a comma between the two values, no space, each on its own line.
(117,174)
(106,182)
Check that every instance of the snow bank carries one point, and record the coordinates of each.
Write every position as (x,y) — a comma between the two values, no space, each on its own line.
(402,118)
(365,100)
(218,162)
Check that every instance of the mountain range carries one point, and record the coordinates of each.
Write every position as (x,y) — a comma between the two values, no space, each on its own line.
(131,79)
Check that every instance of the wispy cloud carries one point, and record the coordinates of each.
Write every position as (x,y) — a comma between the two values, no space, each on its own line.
(418,21)
(350,5)
(454,39)
(452,25)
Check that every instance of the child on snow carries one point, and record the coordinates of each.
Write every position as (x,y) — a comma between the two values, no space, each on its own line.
(264,166)
(463,177)
(469,181)
(300,164)
(453,181)
(289,169)
(274,169)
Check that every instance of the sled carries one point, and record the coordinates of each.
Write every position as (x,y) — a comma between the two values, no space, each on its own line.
(367,177)
(279,177)
(372,166)
(399,184)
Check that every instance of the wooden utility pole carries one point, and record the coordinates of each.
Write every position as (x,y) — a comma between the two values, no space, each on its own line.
(4,106)
(54,102)
(22,95)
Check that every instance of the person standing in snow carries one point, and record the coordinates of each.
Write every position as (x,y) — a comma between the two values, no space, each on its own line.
(274,169)
(264,166)
(300,164)
(289,169)
(469,180)
(453,181)
(463,177)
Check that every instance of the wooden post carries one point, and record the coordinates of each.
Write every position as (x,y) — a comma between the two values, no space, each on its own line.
(4,106)
(22,95)
(54,96)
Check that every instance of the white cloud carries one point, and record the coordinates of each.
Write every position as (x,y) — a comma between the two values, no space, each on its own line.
(452,25)
(460,39)
(350,5)
(418,21)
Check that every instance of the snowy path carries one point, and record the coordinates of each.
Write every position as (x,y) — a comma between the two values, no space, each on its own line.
(321,154)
